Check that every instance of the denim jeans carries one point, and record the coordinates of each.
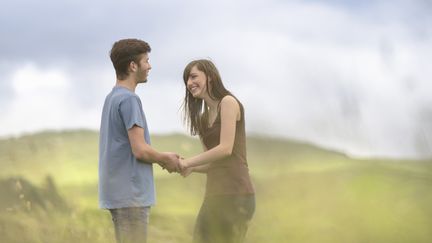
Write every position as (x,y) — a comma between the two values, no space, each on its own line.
(224,219)
(130,224)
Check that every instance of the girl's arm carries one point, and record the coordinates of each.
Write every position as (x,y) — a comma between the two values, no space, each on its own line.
(230,111)
(199,168)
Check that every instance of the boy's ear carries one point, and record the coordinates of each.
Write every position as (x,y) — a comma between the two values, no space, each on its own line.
(132,66)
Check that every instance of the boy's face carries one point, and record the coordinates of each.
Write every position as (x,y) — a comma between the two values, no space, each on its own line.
(143,68)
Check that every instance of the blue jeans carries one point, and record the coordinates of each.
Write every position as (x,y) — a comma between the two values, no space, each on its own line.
(130,224)
(224,219)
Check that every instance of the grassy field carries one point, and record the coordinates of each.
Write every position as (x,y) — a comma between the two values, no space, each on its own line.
(48,193)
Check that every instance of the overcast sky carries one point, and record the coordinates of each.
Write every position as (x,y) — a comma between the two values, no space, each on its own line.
(348,75)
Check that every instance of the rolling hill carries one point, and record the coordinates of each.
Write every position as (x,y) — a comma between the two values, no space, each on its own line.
(304,193)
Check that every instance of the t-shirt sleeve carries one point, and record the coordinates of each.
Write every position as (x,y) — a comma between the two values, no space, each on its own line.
(132,113)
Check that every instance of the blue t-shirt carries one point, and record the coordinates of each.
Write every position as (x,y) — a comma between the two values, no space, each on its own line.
(123,180)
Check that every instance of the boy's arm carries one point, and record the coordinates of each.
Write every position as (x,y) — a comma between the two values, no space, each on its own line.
(145,153)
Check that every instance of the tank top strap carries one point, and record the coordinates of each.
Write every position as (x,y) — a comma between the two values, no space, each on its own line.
(218,116)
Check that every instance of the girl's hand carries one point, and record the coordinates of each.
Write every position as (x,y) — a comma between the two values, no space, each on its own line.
(185,170)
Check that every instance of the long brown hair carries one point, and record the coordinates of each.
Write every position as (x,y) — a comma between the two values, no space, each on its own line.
(196,111)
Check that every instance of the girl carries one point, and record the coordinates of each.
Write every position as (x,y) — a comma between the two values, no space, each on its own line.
(213,113)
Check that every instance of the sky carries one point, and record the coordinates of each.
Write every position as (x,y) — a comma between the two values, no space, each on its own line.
(352,76)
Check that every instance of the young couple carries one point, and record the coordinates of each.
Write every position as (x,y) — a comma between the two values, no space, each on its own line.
(126,186)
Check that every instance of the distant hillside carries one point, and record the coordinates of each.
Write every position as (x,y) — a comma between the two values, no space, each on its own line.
(74,154)
(50,142)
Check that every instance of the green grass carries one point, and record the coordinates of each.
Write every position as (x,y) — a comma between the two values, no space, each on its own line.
(304,194)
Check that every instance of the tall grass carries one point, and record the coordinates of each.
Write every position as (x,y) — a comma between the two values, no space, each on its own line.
(304,194)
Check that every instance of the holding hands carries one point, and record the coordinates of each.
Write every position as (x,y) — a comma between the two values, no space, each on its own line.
(173,163)
(186,171)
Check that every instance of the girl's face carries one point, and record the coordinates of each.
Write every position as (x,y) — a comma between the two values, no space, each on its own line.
(197,83)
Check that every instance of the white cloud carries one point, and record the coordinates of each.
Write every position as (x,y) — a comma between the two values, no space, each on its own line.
(28,80)
(42,100)
(36,93)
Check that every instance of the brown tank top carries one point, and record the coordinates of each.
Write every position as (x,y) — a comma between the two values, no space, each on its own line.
(230,175)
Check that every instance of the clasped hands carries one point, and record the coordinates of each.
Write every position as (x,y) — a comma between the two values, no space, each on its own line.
(174,163)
